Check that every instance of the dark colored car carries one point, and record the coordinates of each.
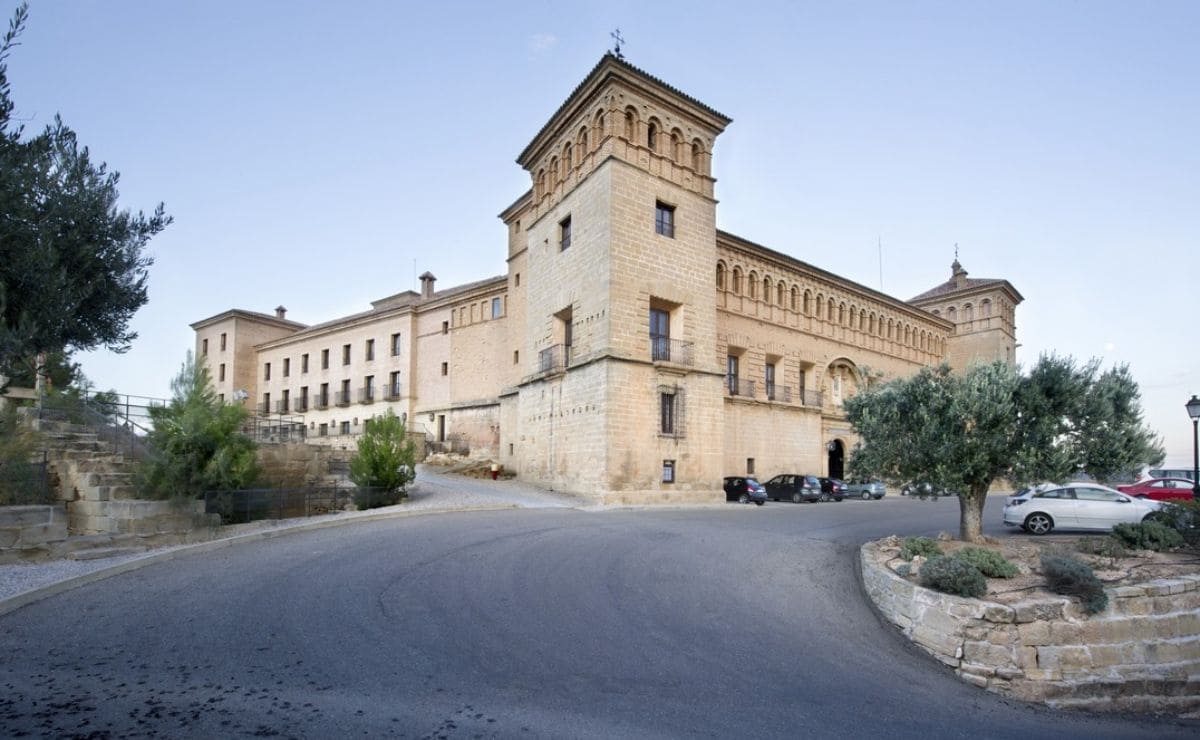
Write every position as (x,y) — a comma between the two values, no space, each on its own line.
(793,487)
(1160,489)
(744,490)
(832,488)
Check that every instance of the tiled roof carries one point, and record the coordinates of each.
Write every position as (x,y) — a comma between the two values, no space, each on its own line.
(952,286)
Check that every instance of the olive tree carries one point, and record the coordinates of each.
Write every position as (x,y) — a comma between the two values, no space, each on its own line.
(966,430)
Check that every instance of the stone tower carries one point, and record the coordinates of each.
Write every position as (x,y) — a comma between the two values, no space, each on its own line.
(983,312)
(611,255)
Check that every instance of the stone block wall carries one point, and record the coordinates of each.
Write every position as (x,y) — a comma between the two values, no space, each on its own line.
(1142,653)
(30,532)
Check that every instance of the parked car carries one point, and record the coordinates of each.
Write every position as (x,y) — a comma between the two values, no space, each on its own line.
(794,487)
(744,490)
(832,488)
(924,488)
(1161,489)
(1075,506)
(866,489)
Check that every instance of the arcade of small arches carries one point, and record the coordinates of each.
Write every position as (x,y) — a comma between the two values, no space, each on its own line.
(816,304)
(650,134)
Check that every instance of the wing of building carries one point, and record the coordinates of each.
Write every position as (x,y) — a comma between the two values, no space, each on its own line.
(633,352)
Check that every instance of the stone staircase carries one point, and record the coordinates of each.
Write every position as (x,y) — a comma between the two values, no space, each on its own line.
(95,483)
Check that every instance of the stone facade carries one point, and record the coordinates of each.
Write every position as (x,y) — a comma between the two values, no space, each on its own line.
(633,351)
(1142,653)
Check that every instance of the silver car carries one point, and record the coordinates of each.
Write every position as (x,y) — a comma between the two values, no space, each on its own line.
(1075,506)
(866,489)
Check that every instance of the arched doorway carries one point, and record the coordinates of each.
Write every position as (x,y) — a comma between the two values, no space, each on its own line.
(837,459)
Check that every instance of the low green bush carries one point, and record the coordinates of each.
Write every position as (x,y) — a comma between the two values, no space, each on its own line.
(1105,547)
(1184,518)
(1070,577)
(1150,535)
(923,546)
(953,575)
(989,562)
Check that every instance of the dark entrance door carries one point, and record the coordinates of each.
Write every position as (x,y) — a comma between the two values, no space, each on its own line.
(837,459)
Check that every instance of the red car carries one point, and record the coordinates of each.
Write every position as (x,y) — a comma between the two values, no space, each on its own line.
(1160,489)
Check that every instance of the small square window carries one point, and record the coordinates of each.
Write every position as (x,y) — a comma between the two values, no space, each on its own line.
(668,475)
(564,234)
(664,219)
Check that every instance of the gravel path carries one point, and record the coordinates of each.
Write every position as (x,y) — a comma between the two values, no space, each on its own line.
(433,491)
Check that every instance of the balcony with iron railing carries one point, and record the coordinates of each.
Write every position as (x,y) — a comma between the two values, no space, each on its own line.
(392,392)
(282,406)
(778,393)
(320,402)
(735,386)
(366,394)
(665,349)
(554,359)
(811,398)
(341,398)
(301,405)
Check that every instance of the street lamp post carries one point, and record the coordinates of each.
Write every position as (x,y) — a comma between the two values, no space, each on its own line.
(1193,409)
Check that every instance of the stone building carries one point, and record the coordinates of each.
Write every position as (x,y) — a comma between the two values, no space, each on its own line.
(633,351)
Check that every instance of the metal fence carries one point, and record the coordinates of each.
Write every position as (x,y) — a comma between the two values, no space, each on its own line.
(238,507)
(24,482)
(121,420)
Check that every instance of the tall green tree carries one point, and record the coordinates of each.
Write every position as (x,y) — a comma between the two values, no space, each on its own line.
(197,441)
(73,266)
(964,431)
(385,460)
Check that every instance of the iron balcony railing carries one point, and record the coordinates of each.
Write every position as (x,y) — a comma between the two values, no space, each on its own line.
(366,394)
(319,401)
(391,393)
(738,387)
(811,398)
(301,405)
(554,359)
(341,398)
(779,393)
(665,349)
(281,406)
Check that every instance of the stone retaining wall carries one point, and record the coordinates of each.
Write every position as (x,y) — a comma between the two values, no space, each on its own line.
(1142,653)
(29,533)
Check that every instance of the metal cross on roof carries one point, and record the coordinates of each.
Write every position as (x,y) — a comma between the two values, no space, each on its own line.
(616,35)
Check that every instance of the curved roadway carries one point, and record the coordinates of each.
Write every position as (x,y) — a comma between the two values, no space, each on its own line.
(734,621)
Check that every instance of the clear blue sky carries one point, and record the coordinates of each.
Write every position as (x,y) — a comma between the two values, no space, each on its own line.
(311,151)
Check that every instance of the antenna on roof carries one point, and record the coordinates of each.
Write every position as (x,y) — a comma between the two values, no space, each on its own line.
(616,35)
(880,264)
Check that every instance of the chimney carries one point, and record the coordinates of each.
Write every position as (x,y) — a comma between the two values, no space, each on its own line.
(958,274)
(280,312)
(427,281)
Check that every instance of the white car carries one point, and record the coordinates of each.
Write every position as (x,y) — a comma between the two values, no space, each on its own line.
(1075,506)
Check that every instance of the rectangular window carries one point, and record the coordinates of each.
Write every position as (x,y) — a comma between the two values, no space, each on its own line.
(749,466)
(345,427)
(302,401)
(345,354)
(369,388)
(284,401)
(287,367)
(394,384)
(564,234)
(666,413)
(324,359)
(266,404)
(731,374)
(769,380)
(664,219)
(668,471)
(204,347)
(446,327)
(323,430)
(496,308)
(303,363)
(323,399)
(517,280)
(221,372)
(445,368)
(396,345)
(516,356)
(267,371)
(222,341)
(221,396)
(370,350)
(660,335)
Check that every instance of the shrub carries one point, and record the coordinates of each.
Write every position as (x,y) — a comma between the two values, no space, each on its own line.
(953,575)
(1184,518)
(386,460)
(923,546)
(989,562)
(1105,547)
(1068,576)
(1150,535)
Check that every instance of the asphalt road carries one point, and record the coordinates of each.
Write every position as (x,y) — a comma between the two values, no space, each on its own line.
(735,621)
